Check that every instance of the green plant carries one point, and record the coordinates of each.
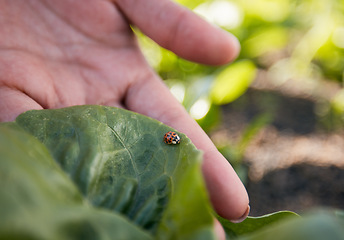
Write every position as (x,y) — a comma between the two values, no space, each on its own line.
(92,172)
(234,152)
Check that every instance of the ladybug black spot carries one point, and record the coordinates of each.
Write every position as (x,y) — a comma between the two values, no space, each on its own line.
(171,138)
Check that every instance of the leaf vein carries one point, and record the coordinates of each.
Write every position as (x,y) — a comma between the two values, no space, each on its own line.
(127,149)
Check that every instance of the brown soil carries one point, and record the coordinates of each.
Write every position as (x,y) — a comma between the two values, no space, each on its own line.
(294,163)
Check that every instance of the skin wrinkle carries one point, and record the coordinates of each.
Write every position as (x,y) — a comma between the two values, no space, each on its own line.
(34,37)
(139,81)
(86,64)
(93,83)
(81,65)
(90,34)
(65,47)
(137,77)
(61,98)
(118,7)
(15,71)
(67,22)
(178,27)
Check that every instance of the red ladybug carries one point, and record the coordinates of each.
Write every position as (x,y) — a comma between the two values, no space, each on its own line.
(171,138)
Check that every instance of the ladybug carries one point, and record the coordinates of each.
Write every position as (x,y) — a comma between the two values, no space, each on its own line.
(171,138)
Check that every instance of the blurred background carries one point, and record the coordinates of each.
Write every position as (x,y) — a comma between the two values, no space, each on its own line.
(277,112)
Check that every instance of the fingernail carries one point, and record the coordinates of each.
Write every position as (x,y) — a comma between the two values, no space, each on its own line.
(243,217)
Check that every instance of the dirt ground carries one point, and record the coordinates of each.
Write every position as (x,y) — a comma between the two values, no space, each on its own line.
(295,162)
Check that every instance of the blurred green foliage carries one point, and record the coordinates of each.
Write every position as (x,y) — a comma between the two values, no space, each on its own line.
(226,88)
(287,39)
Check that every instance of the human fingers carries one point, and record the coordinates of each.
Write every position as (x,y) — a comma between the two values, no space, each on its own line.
(14,102)
(151,97)
(181,31)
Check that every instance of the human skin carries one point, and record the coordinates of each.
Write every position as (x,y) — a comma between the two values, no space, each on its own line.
(55,54)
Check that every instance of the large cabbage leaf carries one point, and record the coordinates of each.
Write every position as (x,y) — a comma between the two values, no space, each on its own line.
(119,163)
(95,172)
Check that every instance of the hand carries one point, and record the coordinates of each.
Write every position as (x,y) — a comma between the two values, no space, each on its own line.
(56,54)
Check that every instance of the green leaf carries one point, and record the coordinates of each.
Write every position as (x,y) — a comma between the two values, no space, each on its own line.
(119,162)
(38,200)
(252,129)
(190,3)
(265,40)
(232,82)
(315,226)
(187,215)
(254,224)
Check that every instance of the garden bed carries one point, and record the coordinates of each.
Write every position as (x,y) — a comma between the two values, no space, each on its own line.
(294,162)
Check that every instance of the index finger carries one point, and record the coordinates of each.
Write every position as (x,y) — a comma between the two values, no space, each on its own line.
(176,28)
